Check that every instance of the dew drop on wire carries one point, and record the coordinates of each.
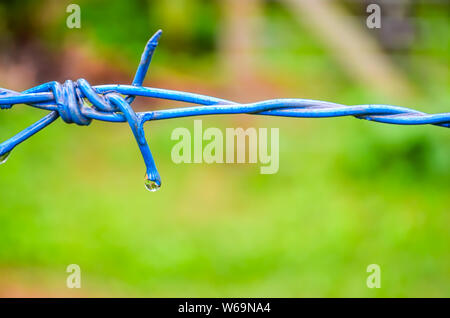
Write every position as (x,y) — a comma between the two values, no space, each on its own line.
(151,185)
(4,157)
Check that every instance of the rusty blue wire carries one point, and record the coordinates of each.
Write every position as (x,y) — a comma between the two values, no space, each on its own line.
(108,103)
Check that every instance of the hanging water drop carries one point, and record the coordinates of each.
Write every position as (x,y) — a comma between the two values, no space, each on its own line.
(4,157)
(151,185)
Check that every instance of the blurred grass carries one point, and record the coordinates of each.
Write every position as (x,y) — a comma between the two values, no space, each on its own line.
(349,193)
(310,230)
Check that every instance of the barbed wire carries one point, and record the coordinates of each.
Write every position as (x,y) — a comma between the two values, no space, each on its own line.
(112,103)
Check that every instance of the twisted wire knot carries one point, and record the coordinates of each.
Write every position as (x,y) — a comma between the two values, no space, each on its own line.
(69,99)
(69,103)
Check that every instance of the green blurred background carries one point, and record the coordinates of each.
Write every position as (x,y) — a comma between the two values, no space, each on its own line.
(348,193)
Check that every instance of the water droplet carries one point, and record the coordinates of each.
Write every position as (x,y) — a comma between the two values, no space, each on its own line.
(4,157)
(151,185)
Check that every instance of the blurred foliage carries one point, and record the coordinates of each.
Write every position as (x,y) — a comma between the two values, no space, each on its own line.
(349,193)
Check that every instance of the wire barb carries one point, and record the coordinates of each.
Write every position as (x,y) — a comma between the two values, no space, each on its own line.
(68,101)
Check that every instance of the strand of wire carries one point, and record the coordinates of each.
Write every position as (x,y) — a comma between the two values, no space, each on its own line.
(44,97)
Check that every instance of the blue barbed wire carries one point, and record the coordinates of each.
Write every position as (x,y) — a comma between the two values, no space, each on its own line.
(112,103)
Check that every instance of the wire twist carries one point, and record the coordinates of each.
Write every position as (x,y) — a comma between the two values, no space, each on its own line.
(112,103)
